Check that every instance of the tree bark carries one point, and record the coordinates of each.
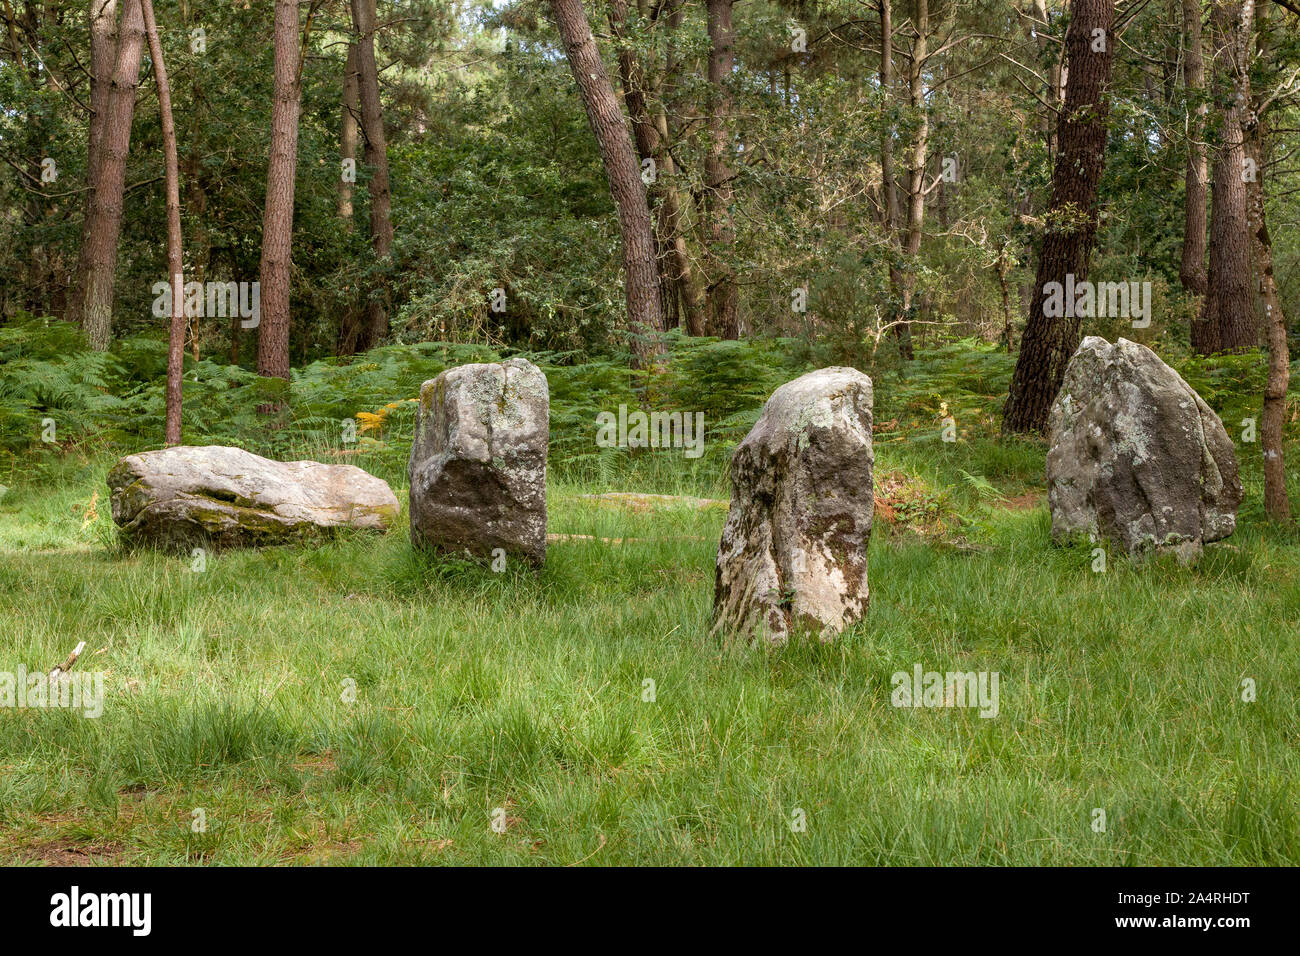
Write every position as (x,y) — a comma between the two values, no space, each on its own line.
(376,156)
(277,219)
(917,157)
(1273,418)
(673,210)
(196,197)
(349,133)
(1071,229)
(103,53)
(722,294)
(1227,321)
(350,331)
(1058,75)
(640,281)
(888,184)
(176,339)
(889,196)
(1191,271)
(92,301)
(650,131)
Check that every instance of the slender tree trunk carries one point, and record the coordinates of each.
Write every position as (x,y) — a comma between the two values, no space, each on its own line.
(234,338)
(92,294)
(888,184)
(376,156)
(1191,270)
(349,133)
(1273,420)
(196,197)
(641,85)
(640,281)
(176,343)
(916,162)
(632,74)
(673,211)
(1055,76)
(1000,269)
(723,294)
(1049,341)
(277,220)
(1227,321)
(350,331)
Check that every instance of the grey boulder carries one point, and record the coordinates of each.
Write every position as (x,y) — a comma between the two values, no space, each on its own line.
(793,555)
(223,497)
(1136,456)
(478,462)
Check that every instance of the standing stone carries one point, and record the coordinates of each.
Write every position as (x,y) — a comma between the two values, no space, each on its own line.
(478,462)
(1136,456)
(793,554)
(222,497)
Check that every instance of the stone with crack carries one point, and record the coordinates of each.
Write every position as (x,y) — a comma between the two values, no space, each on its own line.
(218,497)
(793,555)
(478,462)
(1136,456)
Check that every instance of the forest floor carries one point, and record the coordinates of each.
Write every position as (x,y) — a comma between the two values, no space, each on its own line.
(355,703)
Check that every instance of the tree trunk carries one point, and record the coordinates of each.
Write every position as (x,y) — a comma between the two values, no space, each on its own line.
(277,219)
(1191,270)
(376,156)
(1055,76)
(640,282)
(103,53)
(196,197)
(1049,341)
(723,295)
(92,302)
(176,341)
(916,162)
(1273,420)
(349,133)
(650,132)
(1227,321)
(888,185)
(350,330)
(671,213)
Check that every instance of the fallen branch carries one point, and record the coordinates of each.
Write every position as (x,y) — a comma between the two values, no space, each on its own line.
(67,664)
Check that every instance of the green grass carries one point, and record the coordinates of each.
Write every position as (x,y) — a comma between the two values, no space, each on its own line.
(520,694)
(520,691)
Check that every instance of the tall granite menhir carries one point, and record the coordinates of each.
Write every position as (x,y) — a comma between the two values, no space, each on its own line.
(1136,456)
(478,462)
(793,555)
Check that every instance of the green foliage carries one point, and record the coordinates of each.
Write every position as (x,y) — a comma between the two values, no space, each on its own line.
(46,372)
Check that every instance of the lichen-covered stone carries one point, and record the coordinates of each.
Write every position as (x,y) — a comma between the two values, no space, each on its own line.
(793,554)
(478,461)
(1136,456)
(221,497)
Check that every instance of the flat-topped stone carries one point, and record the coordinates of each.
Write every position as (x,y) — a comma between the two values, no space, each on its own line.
(224,497)
(478,461)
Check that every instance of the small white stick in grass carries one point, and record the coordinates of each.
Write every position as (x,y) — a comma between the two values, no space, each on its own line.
(72,659)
